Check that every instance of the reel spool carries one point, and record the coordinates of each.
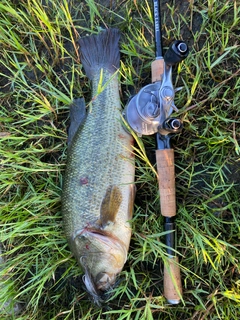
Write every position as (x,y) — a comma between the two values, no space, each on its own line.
(143,111)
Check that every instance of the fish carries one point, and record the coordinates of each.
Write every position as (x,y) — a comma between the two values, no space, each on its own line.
(10,307)
(98,191)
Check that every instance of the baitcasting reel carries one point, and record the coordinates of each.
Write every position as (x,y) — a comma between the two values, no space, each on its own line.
(149,111)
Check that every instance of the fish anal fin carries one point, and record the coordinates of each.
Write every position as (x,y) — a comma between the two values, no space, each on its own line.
(77,116)
(110,205)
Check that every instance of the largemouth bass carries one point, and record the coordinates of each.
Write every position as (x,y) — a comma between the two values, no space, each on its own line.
(98,192)
(10,307)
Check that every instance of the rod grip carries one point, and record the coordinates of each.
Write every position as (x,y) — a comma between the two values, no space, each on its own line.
(166,181)
(172,281)
(157,67)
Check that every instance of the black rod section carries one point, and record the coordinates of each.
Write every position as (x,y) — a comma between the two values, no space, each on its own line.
(157,28)
(169,225)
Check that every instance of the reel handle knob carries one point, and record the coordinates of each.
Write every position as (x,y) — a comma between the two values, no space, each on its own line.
(177,52)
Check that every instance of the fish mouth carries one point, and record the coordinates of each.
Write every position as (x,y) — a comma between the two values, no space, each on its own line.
(99,287)
(98,295)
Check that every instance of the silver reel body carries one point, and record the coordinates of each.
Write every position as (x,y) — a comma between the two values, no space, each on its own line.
(146,111)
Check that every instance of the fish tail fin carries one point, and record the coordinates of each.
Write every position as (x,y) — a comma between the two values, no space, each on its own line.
(100,52)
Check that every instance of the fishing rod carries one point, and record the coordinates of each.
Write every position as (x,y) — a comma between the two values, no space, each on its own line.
(147,113)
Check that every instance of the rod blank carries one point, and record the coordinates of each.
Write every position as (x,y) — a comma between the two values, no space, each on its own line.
(157,29)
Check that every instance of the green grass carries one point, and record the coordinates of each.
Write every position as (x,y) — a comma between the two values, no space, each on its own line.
(40,74)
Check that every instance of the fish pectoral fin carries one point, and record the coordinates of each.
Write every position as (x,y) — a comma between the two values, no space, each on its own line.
(77,116)
(110,205)
(133,191)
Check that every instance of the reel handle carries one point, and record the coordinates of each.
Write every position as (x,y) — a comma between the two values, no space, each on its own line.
(166,181)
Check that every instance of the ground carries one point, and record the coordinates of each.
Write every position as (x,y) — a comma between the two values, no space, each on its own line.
(40,74)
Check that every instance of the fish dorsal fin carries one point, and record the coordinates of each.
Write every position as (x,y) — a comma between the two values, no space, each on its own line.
(77,116)
(110,205)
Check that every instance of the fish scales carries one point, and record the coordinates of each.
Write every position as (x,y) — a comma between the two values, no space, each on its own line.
(100,155)
(98,192)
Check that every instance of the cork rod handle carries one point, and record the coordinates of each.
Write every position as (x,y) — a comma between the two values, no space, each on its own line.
(172,281)
(157,70)
(166,180)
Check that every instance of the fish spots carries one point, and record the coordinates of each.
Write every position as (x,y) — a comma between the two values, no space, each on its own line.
(84,180)
(121,136)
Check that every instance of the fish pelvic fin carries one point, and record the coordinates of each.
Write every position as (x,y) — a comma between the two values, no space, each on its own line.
(110,205)
(100,51)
